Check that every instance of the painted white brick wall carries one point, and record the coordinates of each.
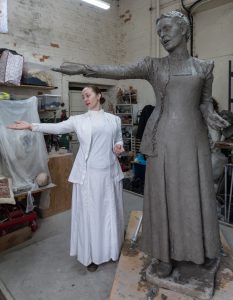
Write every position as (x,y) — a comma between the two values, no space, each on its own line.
(138,38)
(212,39)
(51,32)
(57,31)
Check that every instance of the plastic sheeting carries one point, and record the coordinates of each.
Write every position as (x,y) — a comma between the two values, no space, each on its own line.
(23,153)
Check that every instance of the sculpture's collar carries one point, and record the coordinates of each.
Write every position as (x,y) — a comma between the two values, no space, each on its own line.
(178,56)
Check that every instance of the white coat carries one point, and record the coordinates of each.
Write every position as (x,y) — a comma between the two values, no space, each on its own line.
(81,125)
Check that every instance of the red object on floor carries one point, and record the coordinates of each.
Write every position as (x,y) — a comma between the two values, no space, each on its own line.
(13,216)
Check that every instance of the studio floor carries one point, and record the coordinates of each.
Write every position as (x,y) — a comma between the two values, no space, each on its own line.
(41,268)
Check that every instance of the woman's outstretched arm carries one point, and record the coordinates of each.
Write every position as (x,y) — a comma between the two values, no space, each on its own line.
(52,128)
(20,125)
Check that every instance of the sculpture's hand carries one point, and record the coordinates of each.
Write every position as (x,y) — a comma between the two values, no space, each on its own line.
(70,69)
(216,122)
(20,125)
(214,136)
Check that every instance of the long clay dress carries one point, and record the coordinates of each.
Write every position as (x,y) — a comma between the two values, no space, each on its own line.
(180,219)
(179,214)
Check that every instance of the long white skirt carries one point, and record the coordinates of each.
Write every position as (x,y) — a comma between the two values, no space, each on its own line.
(97,224)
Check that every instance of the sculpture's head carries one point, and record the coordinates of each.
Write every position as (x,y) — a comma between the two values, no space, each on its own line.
(173,29)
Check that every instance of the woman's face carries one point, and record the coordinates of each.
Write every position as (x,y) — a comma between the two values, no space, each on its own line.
(171,33)
(91,99)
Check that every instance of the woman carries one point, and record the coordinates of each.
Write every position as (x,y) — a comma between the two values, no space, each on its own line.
(97,225)
(179,214)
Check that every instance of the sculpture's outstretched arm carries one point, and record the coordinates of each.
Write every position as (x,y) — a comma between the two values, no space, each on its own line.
(138,70)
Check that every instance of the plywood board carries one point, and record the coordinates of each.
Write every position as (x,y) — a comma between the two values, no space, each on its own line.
(129,281)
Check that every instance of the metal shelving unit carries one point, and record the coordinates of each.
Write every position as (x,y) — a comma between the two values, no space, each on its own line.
(125,112)
(230,97)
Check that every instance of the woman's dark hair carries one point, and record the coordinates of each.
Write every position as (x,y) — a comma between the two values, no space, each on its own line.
(97,91)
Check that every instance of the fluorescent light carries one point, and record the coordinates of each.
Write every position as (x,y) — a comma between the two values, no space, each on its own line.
(98,3)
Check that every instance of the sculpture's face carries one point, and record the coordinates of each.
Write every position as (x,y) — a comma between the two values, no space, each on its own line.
(91,99)
(171,33)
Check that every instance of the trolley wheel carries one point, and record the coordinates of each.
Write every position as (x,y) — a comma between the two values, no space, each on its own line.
(34,225)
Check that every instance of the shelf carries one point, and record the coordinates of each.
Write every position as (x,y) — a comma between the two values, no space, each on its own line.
(124,104)
(57,154)
(226,224)
(41,189)
(28,86)
(133,193)
(123,114)
(46,110)
(227,144)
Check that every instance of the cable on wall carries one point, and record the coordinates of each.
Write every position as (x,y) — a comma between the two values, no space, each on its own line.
(190,17)
(3,16)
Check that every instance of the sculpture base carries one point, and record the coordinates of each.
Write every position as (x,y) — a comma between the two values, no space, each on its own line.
(187,278)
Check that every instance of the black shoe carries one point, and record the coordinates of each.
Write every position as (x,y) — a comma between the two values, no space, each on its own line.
(92,267)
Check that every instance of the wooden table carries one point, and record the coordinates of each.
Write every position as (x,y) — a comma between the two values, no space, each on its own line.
(60,196)
(227,144)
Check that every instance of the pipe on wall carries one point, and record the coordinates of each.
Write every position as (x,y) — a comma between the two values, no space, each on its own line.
(154,38)
(157,37)
(189,11)
(151,27)
(3,16)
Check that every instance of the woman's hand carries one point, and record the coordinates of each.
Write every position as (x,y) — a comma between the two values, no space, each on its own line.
(20,125)
(118,149)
